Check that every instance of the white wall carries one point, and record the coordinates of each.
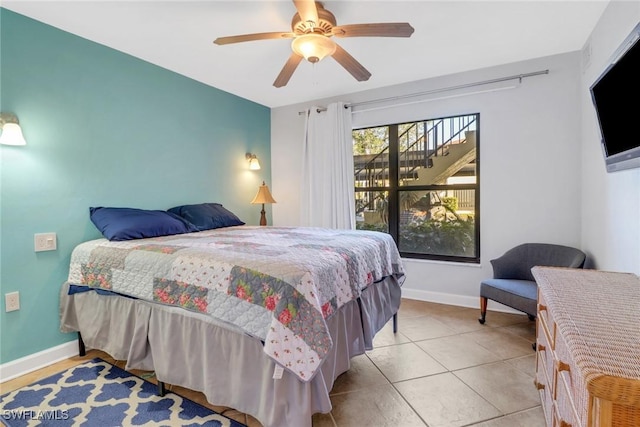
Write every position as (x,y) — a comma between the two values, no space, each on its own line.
(610,201)
(529,156)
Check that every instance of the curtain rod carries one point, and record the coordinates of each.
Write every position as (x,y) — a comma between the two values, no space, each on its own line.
(318,110)
(444,89)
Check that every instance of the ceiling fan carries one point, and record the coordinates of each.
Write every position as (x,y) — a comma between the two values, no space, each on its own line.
(311,30)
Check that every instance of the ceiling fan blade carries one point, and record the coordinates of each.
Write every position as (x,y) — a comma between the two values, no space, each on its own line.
(390,29)
(307,10)
(252,37)
(350,64)
(287,70)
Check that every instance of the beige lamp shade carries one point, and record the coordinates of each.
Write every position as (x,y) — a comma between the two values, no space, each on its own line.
(263,196)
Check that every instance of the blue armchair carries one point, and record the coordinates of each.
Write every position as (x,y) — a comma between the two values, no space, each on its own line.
(513,284)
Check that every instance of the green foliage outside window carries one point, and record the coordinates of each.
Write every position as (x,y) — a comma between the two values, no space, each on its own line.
(454,237)
(380,226)
(450,203)
(370,141)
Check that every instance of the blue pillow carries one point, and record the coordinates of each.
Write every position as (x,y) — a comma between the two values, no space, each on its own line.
(207,216)
(128,223)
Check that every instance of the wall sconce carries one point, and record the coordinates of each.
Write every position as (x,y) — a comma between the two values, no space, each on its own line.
(11,132)
(254,164)
(263,196)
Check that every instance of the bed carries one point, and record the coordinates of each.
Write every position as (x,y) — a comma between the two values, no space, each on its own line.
(260,319)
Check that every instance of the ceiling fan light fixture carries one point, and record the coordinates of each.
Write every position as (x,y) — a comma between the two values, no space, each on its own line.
(313,47)
(312,29)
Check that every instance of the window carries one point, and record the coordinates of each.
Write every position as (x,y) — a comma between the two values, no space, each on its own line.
(419,182)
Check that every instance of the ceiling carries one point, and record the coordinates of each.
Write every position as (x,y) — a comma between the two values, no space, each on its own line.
(450,36)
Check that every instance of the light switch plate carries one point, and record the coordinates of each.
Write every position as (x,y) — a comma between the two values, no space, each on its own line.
(11,301)
(45,242)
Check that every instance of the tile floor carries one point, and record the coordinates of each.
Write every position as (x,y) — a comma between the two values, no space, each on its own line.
(442,369)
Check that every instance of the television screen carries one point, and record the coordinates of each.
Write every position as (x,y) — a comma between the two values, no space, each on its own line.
(616,98)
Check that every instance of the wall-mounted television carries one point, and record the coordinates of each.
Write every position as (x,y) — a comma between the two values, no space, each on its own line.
(616,98)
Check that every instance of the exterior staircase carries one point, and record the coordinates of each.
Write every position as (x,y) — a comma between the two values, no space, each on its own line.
(431,152)
(457,156)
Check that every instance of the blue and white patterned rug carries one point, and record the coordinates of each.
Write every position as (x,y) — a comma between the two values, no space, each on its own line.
(97,393)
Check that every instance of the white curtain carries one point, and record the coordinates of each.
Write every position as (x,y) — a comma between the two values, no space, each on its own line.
(327,169)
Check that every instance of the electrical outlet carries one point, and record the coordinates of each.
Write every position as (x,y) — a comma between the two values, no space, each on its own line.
(44,242)
(12,301)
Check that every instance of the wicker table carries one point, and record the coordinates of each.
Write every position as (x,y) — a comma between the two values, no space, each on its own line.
(588,347)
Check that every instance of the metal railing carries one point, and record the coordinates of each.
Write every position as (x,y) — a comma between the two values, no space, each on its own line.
(419,144)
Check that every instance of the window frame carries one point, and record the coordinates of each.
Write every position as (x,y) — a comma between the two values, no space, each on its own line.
(394,189)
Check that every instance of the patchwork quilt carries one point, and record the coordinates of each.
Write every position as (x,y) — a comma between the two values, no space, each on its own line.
(279,284)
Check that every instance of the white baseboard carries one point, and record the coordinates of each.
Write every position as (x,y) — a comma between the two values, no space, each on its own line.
(32,362)
(454,299)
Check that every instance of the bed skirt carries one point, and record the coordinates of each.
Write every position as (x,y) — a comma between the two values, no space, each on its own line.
(229,367)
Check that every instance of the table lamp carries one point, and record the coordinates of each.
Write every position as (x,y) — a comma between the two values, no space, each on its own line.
(263,196)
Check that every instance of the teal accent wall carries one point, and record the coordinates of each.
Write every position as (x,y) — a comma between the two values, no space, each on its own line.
(104,129)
